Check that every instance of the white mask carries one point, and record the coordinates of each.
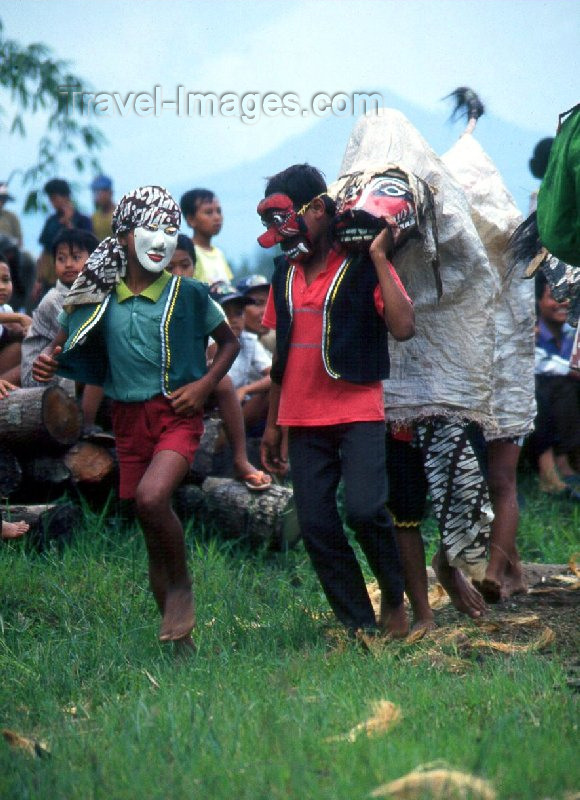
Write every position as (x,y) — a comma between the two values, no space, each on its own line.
(155,245)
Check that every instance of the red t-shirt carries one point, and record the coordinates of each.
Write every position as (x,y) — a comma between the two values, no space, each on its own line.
(309,395)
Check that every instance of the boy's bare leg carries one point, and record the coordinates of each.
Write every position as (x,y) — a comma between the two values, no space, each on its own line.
(462,593)
(231,412)
(550,480)
(412,554)
(503,576)
(170,580)
(255,410)
(91,400)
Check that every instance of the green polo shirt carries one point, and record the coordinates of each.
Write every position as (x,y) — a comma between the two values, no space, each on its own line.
(132,332)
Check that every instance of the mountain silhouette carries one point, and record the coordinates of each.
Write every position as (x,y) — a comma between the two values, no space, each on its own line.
(323,146)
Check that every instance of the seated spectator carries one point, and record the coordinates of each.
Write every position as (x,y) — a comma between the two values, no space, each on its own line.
(70,251)
(65,217)
(183,263)
(557,436)
(9,222)
(250,372)
(102,189)
(22,269)
(13,327)
(257,288)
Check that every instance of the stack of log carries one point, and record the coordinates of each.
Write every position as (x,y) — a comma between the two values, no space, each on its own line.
(42,459)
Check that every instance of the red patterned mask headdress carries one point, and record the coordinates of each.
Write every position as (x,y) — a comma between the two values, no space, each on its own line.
(284,226)
(364,207)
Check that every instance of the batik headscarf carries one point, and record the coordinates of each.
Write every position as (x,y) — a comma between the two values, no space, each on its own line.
(108,263)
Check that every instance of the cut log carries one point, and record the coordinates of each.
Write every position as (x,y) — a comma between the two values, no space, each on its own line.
(46,470)
(89,463)
(211,443)
(214,455)
(38,416)
(49,524)
(262,517)
(44,479)
(10,472)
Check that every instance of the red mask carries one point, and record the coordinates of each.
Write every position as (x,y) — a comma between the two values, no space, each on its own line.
(364,210)
(284,226)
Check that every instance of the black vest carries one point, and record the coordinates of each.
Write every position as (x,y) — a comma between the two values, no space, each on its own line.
(354,336)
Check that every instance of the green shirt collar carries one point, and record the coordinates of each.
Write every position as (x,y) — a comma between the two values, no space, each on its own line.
(153,292)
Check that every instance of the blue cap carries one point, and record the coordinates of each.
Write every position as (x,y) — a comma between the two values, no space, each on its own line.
(222,292)
(101,182)
(252,282)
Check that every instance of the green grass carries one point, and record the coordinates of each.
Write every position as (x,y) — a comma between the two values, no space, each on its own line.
(249,715)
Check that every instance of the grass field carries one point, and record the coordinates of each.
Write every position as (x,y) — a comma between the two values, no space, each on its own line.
(259,712)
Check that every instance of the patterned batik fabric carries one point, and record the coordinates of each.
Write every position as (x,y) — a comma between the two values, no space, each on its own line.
(459,494)
(108,263)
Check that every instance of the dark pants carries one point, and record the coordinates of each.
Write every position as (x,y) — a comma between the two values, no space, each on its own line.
(319,457)
(558,420)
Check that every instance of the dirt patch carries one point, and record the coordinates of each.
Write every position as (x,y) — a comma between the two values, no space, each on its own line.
(545,621)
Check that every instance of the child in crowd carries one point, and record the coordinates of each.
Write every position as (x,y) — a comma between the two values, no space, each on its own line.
(556,440)
(250,372)
(65,216)
(13,327)
(326,385)
(131,326)
(183,262)
(203,213)
(70,251)
(102,219)
(257,288)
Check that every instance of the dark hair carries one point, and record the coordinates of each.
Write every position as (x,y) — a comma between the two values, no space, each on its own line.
(57,186)
(539,161)
(75,237)
(540,282)
(302,183)
(192,200)
(185,243)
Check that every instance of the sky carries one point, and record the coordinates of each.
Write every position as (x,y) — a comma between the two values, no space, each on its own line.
(522,56)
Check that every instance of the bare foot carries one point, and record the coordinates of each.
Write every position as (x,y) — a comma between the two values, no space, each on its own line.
(13,530)
(422,626)
(514,582)
(254,479)
(462,594)
(394,621)
(179,615)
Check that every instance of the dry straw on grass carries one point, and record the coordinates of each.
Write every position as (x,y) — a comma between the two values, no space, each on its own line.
(438,784)
(31,746)
(384,716)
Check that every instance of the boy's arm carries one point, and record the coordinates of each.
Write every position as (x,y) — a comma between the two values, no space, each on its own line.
(45,365)
(256,387)
(274,446)
(399,313)
(190,399)
(13,317)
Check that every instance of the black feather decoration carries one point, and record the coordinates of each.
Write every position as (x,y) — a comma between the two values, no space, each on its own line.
(524,243)
(467,103)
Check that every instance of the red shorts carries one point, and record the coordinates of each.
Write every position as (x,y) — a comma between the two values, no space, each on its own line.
(144,429)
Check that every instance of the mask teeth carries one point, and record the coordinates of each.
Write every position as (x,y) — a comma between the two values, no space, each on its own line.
(357,235)
(302,248)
